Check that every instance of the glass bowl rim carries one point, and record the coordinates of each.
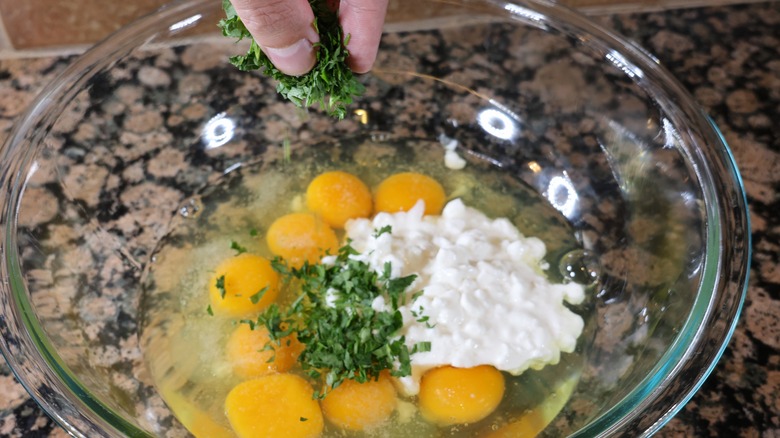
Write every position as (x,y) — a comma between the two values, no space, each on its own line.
(74,407)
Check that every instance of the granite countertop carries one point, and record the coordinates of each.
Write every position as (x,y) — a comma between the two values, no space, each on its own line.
(729,59)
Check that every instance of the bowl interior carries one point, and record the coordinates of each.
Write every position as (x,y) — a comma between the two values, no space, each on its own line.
(118,153)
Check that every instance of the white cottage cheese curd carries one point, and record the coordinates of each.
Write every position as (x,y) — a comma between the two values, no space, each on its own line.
(484,292)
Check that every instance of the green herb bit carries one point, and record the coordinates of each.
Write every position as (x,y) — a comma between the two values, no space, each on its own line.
(421,347)
(253,232)
(258,296)
(331,83)
(304,419)
(386,229)
(248,322)
(237,247)
(221,286)
(286,150)
(209,310)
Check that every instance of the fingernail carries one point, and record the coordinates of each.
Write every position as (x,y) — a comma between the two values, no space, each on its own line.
(295,60)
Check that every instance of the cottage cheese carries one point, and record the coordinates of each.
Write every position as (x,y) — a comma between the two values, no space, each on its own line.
(485,294)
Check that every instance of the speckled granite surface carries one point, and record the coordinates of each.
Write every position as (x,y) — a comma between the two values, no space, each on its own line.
(729,58)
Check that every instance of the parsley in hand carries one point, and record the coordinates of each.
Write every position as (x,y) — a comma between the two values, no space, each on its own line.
(330,83)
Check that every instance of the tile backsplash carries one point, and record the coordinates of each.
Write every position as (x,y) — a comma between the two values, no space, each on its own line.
(32,26)
(35,24)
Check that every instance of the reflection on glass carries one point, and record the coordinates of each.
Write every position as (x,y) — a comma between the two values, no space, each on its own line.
(232,167)
(187,22)
(561,194)
(33,169)
(622,63)
(671,136)
(218,131)
(525,13)
(361,115)
(498,123)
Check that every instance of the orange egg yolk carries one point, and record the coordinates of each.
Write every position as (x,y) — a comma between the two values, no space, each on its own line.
(243,285)
(401,192)
(337,197)
(450,395)
(274,406)
(360,406)
(247,352)
(301,237)
(198,422)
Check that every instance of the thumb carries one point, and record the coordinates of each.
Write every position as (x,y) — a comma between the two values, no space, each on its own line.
(283,29)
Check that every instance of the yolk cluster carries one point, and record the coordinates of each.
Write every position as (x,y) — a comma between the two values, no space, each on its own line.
(242,277)
(274,406)
(450,395)
(273,403)
(247,352)
(360,406)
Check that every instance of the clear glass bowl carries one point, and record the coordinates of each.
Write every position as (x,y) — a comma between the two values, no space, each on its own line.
(120,143)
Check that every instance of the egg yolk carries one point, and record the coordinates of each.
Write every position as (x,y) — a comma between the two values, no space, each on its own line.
(337,197)
(243,285)
(450,395)
(301,237)
(359,406)
(276,405)
(246,351)
(203,426)
(199,423)
(401,191)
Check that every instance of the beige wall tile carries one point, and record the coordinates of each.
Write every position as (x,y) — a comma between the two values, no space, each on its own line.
(46,23)
(52,24)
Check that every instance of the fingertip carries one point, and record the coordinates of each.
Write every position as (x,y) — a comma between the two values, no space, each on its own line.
(363,21)
(284,31)
(361,64)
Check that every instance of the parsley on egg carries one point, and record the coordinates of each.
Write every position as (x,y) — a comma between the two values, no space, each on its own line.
(344,336)
(220,284)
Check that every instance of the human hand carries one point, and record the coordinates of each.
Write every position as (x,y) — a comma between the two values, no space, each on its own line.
(284,30)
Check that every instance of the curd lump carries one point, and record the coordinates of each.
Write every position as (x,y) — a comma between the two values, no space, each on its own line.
(484,292)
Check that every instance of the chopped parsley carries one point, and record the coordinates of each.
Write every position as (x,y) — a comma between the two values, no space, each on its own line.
(344,336)
(258,296)
(253,232)
(209,310)
(237,247)
(221,286)
(286,151)
(386,229)
(331,83)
